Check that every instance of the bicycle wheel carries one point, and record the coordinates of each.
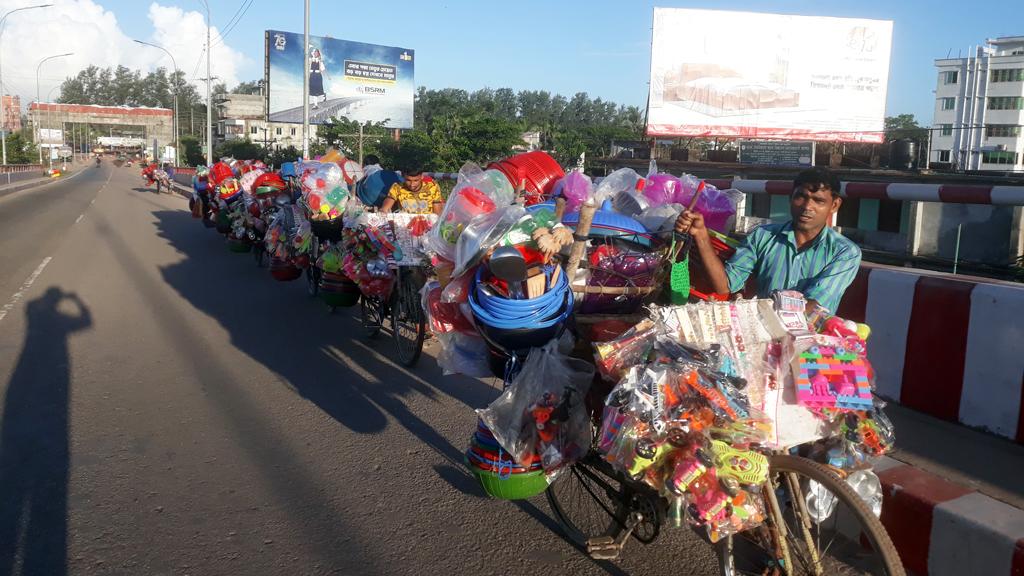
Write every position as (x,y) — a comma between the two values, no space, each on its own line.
(587,503)
(371,311)
(408,323)
(819,526)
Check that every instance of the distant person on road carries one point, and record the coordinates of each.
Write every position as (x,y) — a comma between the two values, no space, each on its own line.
(316,77)
(415,194)
(804,254)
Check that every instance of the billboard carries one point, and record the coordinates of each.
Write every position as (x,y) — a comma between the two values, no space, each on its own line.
(751,75)
(362,82)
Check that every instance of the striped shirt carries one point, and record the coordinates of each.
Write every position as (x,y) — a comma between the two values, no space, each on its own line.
(821,271)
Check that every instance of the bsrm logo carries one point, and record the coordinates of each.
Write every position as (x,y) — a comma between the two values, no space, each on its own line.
(372,90)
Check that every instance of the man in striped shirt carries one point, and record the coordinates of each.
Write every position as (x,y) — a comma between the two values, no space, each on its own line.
(804,254)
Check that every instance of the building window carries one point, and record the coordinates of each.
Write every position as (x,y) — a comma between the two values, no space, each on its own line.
(950,77)
(947,103)
(1002,130)
(293,131)
(1008,75)
(1008,158)
(1006,103)
(252,130)
(946,130)
(943,155)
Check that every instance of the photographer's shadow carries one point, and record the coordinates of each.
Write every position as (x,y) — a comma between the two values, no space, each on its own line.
(34,451)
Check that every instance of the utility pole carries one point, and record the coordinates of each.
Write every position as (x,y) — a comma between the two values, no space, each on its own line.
(305,85)
(209,97)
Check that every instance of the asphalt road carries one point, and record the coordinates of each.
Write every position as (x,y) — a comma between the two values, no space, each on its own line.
(171,409)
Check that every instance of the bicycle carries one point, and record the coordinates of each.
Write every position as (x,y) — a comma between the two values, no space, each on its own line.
(402,307)
(599,508)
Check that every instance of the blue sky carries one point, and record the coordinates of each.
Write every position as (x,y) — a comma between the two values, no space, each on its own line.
(566,46)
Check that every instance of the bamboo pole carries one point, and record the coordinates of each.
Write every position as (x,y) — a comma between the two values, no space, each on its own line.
(579,245)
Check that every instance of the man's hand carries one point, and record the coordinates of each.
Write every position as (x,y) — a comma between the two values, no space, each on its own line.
(690,222)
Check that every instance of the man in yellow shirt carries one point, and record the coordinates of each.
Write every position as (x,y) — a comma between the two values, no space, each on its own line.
(416,194)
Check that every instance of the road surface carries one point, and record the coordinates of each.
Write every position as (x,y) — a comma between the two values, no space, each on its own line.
(171,409)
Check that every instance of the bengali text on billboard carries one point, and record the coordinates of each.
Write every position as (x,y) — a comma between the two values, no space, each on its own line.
(353,80)
(751,75)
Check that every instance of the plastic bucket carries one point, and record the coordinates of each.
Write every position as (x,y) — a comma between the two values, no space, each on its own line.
(537,169)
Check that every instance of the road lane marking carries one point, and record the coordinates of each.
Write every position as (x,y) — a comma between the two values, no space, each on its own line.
(80,216)
(24,288)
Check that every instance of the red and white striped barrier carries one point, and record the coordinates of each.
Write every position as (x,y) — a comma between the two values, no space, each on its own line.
(941,528)
(949,193)
(949,346)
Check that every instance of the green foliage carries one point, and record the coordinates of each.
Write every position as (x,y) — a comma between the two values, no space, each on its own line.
(21,149)
(282,155)
(192,151)
(242,149)
(904,126)
(250,87)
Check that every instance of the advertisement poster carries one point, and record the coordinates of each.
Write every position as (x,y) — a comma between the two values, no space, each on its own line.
(751,75)
(353,80)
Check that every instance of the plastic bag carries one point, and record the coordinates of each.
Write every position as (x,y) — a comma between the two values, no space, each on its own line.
(463,354)
(662,189)
(717,206)
(621,180)
(542,410)
(483,233)
(477,192)
(576,187)
(660,218)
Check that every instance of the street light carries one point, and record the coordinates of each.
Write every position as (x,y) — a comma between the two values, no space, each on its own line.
(209,100)
(177,145)
(38,68)
(3,105)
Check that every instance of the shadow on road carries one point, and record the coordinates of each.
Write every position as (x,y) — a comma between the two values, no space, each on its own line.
(34,452)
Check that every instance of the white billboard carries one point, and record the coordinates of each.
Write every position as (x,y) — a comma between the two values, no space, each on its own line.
(752,75)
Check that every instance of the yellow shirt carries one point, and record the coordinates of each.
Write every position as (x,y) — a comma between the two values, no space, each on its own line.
(419,202)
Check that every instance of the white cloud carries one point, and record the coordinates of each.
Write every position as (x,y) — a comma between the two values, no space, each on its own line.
(95,37)
(184,35)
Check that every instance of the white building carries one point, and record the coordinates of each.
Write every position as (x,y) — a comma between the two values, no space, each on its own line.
(979,108)
(245,116)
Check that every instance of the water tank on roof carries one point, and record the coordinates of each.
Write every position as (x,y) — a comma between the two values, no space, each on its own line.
(903,154)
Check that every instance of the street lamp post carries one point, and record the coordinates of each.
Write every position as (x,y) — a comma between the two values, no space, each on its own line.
(3,106)
(177,145)
(305,86)
(38,68)
(209,98)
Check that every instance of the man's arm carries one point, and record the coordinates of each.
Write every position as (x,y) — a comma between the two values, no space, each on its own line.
(388,204)
(828,286)
(693,224)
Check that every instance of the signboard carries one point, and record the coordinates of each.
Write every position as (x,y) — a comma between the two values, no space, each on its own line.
(745,74)
(776,152)
(51,136)
(353,80)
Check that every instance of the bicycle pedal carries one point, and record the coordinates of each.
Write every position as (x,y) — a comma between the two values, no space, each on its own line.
(608,548)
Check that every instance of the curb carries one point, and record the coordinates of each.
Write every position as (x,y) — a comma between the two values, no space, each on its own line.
(941,528)
(35,183)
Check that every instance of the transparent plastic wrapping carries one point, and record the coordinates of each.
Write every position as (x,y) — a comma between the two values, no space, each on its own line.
(542,410)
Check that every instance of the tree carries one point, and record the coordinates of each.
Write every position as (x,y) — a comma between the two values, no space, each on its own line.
(250,87)
(21,149)
(904,126)
(241,149)
(192,151)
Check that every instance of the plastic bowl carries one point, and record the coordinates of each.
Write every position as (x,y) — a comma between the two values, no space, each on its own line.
(238,246)
(339,299)
(515,487)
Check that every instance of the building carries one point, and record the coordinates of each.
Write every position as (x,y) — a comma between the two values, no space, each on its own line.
(979,108)
(245,116)
(12,113)
(56,126)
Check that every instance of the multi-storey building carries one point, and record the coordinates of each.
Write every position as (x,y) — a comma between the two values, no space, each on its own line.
(979,108)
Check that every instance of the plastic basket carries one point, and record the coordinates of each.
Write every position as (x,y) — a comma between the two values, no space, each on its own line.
(239,246)
(339,299)
(515,487)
